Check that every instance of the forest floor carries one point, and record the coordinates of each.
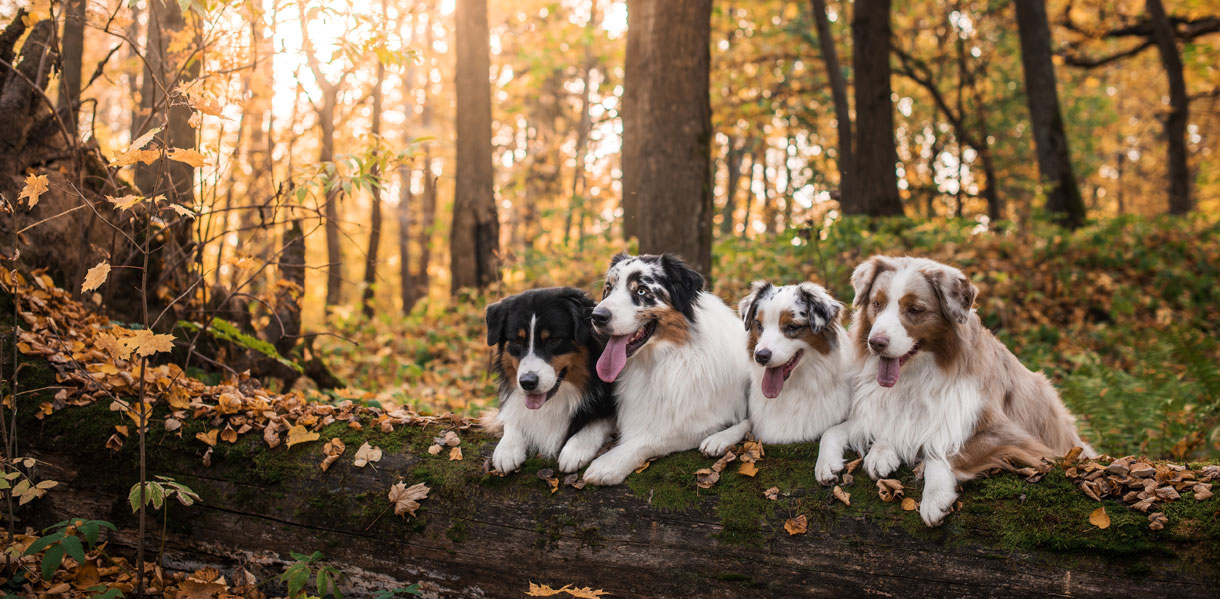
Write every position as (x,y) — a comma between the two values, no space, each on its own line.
(1118,314)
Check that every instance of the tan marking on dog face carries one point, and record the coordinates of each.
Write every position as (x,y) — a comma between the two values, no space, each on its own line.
(577,365)
(509,365)
(755,331)
(820,341)
(876,303)
(672,325)
(545,334)
(521,333)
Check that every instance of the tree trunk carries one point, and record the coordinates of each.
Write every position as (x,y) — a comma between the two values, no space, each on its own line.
(667,129)
(1063,198)
(370,258)
(474,242)
(326,155)
(657,536)
(577,201)
(838,90)
(164,70)
(426,223)
(71,53)
(875,159)
(1179,109)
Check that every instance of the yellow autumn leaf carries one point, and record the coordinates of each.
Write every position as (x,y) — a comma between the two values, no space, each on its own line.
(747,469)
(586,593)
(208,437)
(797,525)
(542,590)
(95,277)
(144,343)
(1100,518)
(187,156)
(228,435)
(35,185)
(125,202)
(455,454)
(183,210)
(909,504)
(141,141)
(299,434)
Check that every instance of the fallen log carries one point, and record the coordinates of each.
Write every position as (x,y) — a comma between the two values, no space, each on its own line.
(659,535)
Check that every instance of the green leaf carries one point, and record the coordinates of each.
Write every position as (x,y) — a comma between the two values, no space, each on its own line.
(43,543)
(51,560)
(74,549)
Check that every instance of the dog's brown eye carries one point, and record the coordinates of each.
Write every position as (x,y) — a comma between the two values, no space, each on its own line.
(915,309)
(876,304)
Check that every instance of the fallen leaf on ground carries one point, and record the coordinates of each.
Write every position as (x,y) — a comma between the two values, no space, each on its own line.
(643,467)
(797,525)
(772,493)
(449,439)
(434,449)
(1157,521)
(299,434)
(367,454)
(406,499)
(333,449)
(852,465)
(842,495)
(542,590)
(889,489)
(909,504)
(1100,518)
(455,454)
(706,477)
(208,437)
(587,593)
(747,469)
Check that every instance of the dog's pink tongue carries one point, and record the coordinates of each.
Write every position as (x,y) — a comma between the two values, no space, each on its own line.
(773,382)
(887,372)
(613,358)
(534,401)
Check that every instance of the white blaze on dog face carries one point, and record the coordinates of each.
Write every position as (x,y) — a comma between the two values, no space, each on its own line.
(886,306)
(632,288)
(533,366)
(784,323)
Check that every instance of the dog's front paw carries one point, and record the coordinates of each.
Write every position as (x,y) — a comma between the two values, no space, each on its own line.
(605,472)
(715,445)
(576,455)
(508,457)
(828,468)
(935,506)
(880,462)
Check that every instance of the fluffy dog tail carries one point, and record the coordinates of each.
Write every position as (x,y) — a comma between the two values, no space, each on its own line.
(489,422)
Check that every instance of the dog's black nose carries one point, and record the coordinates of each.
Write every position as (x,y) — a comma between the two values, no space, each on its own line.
(762,356)
(528,381)
(601,316)
(878,343)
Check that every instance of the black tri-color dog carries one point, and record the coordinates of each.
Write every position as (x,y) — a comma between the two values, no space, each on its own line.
(550,401)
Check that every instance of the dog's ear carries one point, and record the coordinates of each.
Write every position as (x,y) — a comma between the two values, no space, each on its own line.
(822,308)
(864,275)
(495,316)
(580,308)
(953,290)
(748,306)
(619,257)
(683,284)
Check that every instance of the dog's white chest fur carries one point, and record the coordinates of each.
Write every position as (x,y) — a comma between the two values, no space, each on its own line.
(816,397)
(927,413)
(545,429)
(680,394)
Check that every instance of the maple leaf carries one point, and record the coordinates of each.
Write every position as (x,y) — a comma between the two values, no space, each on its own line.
(144,342)
(183,210)
(125,202)
(141,141)
(366,455)
(587,593)
(187,156)
(35,185)
(95,277)
(135,152)
(797,525)
(406,499)
(1100,518)
(542,590)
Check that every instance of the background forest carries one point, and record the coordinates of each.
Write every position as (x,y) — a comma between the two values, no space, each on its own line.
(334,188)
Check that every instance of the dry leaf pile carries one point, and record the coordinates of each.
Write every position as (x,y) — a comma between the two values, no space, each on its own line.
(749,452)
(1140,483)
(542,590)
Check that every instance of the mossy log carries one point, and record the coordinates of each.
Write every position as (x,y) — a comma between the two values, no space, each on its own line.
(659,535)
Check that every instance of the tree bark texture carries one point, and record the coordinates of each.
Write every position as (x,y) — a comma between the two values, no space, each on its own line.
(667,129)
(1179,109)
(474,241)
(1063,199)
(368,299)
(72,48)
(875,158)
